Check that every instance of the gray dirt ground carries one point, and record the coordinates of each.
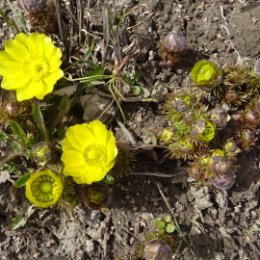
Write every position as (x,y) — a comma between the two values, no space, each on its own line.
(219,225)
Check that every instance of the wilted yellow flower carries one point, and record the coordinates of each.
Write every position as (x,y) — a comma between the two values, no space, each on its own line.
(30,65)
(44,188)
(89,152)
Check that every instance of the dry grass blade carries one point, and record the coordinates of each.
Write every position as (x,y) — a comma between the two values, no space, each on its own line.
(106,32)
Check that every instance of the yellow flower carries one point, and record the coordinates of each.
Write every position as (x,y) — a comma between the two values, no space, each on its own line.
(30,65)
(89,152)
(44,188)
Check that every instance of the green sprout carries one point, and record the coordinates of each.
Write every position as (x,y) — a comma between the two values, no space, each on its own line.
(165,225)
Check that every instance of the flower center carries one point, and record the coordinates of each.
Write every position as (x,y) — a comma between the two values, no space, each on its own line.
(35,66)
(95,154)
(45,187)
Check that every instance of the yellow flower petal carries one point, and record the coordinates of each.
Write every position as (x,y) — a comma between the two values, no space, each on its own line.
(54,59)
(97,147)
(66,145)
(15,50)
(49,48)
(22,38)
(33,89)
(90,176)
(73,158)
(30,65)
(99,131)
(14,84)
(111,146)
(53,77)
(35,43)
(45,90)
(72,140)
(7,64)
(82,135)
(74,171)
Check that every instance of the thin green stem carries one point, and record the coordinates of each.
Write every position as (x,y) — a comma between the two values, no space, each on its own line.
(90,78)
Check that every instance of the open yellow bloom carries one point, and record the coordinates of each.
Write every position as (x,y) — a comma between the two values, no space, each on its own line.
(30,65)
(44,188)
(89,152)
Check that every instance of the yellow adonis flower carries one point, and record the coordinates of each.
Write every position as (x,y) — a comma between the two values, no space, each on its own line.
(30,65)
(44,188)
(89,152)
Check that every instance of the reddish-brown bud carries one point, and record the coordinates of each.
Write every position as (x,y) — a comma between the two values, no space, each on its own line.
(224,182)
(174,42)
(219,117)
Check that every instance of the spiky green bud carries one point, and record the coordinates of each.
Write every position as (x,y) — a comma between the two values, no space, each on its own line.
(206,74)
(203,130)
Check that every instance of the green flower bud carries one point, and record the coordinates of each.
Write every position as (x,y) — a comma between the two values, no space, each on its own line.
(203,130)
(231,148)
(206,74)
(44,188)
(95,196)
(41,153)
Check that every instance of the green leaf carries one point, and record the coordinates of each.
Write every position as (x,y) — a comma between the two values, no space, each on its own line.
(20,182)
(17,147)
(3,136)
(13,168)
(170,228)
(18,222)
(19,132)
(159,223)
(39,120)
(109,180)
(167,218)
(137,90)
(97,71)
